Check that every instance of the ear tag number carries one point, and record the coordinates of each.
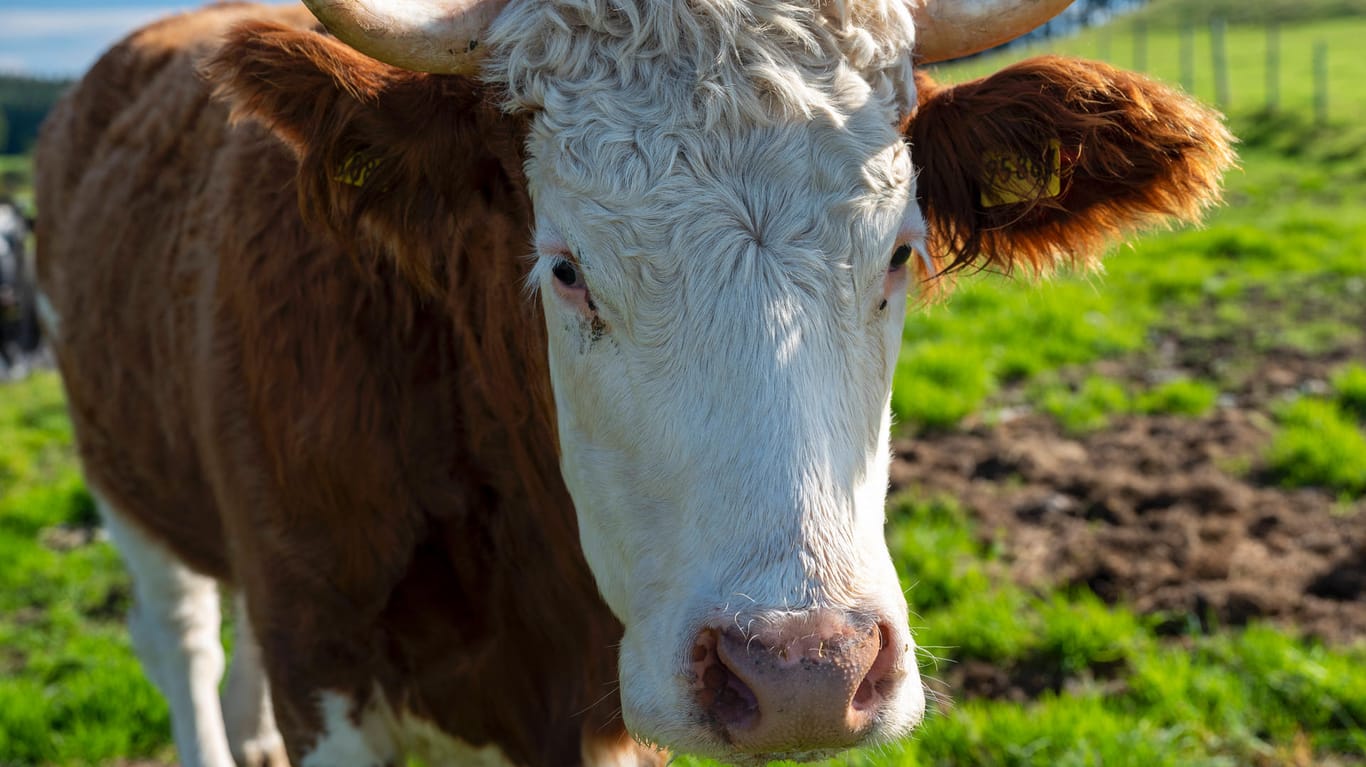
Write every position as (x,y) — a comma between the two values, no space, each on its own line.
(1015,178)
(356,168)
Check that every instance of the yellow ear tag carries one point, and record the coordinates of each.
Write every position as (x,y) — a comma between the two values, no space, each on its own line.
(1014,178)
(355,169)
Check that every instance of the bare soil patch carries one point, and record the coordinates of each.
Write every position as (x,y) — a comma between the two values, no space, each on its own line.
(1170,515)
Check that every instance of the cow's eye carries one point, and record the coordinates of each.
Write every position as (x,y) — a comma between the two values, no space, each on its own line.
(566,273)
(900,256)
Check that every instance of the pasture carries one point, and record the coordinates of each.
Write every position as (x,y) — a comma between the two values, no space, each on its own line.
(1128,509)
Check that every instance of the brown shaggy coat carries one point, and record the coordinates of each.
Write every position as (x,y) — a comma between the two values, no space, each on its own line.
(368,456)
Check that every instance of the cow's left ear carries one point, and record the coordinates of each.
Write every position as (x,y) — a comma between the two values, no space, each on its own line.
(385,155)
(1051,159)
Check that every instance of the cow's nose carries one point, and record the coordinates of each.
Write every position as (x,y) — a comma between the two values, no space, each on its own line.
(806,683)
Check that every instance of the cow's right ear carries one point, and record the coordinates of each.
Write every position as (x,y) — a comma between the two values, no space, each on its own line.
(1049,160)
(384,154)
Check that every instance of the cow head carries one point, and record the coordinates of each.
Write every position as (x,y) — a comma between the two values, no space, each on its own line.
(727,222)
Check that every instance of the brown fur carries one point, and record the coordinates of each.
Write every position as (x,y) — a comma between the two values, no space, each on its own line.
(355,431)
(1134,153)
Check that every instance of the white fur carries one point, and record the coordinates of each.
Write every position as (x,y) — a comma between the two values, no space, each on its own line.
(377,735)
(363,738)
(248,713)
(729,176)
(174,627)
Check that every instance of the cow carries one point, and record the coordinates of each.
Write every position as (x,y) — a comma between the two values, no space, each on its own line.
(18,316)
(522,369)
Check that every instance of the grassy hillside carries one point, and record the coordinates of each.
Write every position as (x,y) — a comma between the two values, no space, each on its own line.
(1291,216)
(1175,13)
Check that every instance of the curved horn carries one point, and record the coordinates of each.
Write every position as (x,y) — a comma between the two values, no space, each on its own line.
(440,36)
(948,29)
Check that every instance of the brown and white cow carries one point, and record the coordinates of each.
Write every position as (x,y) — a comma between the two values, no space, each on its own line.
(641,507)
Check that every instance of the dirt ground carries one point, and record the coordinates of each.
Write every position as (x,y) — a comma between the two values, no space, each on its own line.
(1173,516)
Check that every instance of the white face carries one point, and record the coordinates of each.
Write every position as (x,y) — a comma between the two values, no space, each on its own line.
(724,314)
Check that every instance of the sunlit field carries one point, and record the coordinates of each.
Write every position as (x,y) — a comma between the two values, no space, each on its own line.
(1128,509)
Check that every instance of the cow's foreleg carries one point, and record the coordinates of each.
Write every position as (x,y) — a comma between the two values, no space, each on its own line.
(247,712)
(174,626)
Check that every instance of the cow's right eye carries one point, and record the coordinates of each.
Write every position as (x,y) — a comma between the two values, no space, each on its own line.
(566,273)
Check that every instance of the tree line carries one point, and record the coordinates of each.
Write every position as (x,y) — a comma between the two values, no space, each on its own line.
(24,102)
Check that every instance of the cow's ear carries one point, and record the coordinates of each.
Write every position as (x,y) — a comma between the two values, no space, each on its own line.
(300,83)
(385,155)
(1051,159)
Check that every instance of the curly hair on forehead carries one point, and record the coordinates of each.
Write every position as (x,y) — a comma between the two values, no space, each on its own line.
(730,62)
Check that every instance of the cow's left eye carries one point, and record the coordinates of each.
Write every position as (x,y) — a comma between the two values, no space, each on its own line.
(566,273)
(900,256)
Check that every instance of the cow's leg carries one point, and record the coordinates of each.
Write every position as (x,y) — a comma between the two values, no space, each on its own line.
(327,706)
(174,626)
(247,711)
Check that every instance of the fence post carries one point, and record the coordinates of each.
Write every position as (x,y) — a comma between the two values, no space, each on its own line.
(1273,67)
(1188,55)
(1217,27)
(1141,45)
(1321,82)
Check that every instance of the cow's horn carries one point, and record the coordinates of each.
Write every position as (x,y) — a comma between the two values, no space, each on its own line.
(948,29)
(439,36)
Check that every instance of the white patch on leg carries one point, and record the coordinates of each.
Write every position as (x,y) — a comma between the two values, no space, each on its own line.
(378,736)
(174,626)
(247,710)
(359,739)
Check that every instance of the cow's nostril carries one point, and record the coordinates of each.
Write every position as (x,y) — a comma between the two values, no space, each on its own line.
(879,683)
(726,699)
(863,696)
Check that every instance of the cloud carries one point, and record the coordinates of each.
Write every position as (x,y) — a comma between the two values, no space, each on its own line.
(64,41)
(76,22)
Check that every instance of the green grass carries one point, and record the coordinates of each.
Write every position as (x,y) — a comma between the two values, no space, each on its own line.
(1292,234)
(71,691)
(1179,397)
(1254,696)
(1259,252)
(1087,408)
(1091,404)
(1175,13)
(1349,390)
(1319,444)
(1246,46)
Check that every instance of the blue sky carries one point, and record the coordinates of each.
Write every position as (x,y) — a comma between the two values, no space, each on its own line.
(64,37)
